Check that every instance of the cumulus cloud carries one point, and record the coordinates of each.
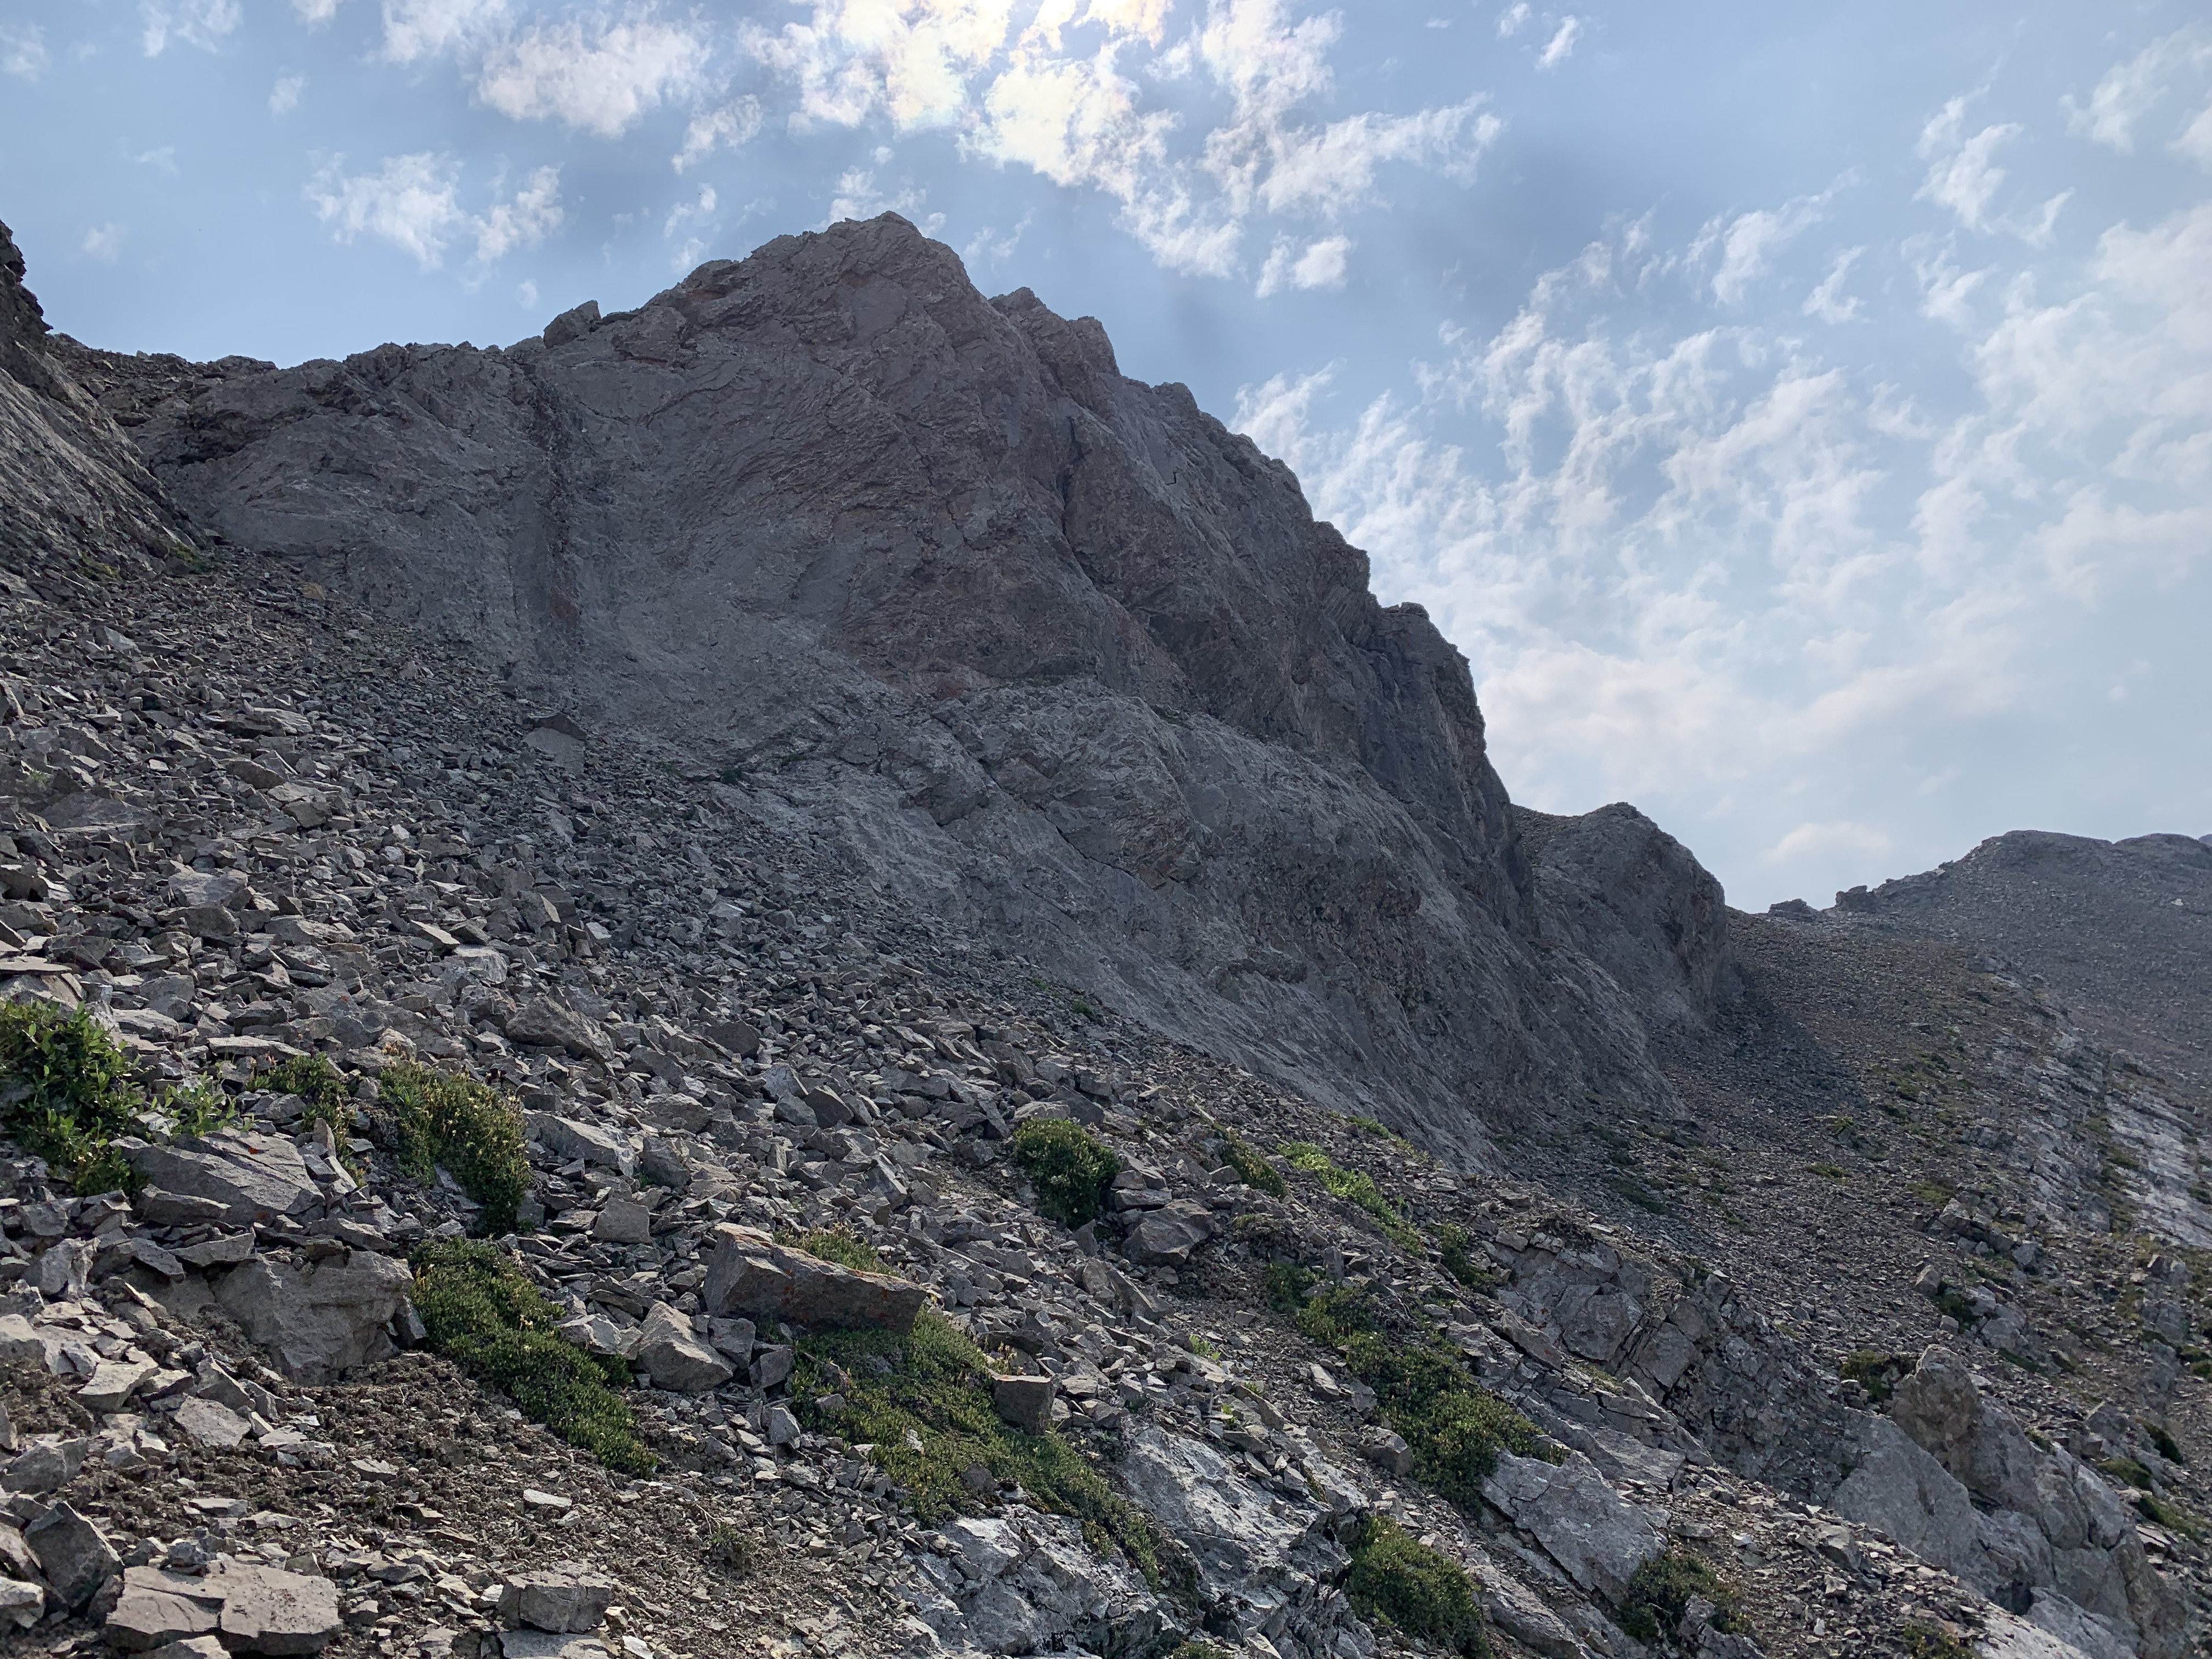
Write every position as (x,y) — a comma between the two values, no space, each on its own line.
(1319,265)
(857,196)
(201,23)
(2129,92)
(1742,575)
(313,12)
(599,78)
(23,51)
(1513,20)
(1069,91)
(104,243)
(733,124)
(415,30)
(1561,46)
(413,202)
(1962,175)
(284,96)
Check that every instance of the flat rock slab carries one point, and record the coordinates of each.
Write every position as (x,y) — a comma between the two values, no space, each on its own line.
(566,1598)
(255,1177)
(74,1555)
(1594,1534)
(751,1273)
(249,1609)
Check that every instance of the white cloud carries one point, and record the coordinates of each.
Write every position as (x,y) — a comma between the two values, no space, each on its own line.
(1512,20)
(313,12)
(989,247)
(23,50)
(284,96)
(1321,264)
(1751,241)
(525,294)
(2129,92)
(726,128)
(162,158)
(857,196)
(418,29)
(201,23)
(531,215)
(601,78)
(1562,44)
(1962,175)
(1056,95)
(1822,839)
(1828,302)
(105,243)
(413,202)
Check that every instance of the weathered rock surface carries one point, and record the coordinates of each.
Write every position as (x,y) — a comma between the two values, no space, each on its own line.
(321,1319)
(751,1273)
(250,1610)
(253,1177)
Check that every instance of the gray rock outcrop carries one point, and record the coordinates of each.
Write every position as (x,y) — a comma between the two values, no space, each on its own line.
(751,1273)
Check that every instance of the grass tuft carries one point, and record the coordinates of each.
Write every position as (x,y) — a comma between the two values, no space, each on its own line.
(1356,1187)
(1070,1169)
(447,1119)
(484,1316)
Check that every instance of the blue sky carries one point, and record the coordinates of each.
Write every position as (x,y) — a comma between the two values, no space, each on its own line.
(1800,417)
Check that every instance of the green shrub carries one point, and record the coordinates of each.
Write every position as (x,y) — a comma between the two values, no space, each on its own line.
(1398,1582)
(1286,1284)
(1933,1642)
(923,1401)
(315,1080)
(1070,1169)
(1354,1185)
(2168,1513)
(2167,1446)
(444,1118)
(731,1548)
(2126,1471)
(1253,1169)
(1660,1590)
(1456,1256)
(1877,1372)
(68,1092)
(1456,1427)
(484,1316)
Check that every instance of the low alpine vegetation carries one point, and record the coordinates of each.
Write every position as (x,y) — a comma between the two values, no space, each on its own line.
(445,1120)
(485,1317)
(1355,1187)
(923,1401)
(1072,1168)
(1659,1593)
(1397,1582)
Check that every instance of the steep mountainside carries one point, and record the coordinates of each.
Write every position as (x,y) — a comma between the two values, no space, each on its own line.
(631,977)
(1045,644)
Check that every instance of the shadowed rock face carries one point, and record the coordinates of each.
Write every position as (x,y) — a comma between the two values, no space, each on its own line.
(1050,649)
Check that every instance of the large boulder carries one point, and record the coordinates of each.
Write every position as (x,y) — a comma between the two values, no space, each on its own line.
(567,1598)
(254,1177)
(675,1358)
(74,1556)
(251,1609)
(1597,1536)
(322,1319)
(749,1273)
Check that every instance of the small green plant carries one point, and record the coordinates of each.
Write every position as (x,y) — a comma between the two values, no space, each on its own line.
(1828,1171)
(1926,1641)
(476,1134)
(1400,1583)
(480,1312)
(68,1091)
(1455,1255)
(2168,1513)
(1354,1185)
(835,1245)
(2166,1446)
(1929,1193)
(315,1080)
(2126,1471)
(1204,1349)
(1253,1169)
(1285,1284)
(922,1401)
(1660,1591)
(732,1549)
(1877,1372)
(1072,1168)
(199,1108)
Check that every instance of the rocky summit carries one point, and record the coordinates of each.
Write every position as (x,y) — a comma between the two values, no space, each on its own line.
(795,973)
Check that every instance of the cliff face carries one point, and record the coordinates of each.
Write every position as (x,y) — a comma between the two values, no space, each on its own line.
(1050,648)
(75,488)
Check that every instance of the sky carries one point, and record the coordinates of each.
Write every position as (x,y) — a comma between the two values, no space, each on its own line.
(1800,417)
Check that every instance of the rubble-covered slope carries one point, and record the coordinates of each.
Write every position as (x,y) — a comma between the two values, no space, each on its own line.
(924,570)
(909,1299)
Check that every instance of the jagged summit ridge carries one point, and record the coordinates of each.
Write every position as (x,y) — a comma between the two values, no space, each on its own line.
(1049,645)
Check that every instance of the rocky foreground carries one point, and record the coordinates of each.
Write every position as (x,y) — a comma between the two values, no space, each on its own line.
(483,1182)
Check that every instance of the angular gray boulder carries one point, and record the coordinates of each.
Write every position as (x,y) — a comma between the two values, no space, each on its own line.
(323,1319)
(751,1273)
(253,1177)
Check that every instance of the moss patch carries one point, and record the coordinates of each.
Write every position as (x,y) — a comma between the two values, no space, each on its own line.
(484,1316)
(443,1118)
(1072,1168)
(834,1244)
(1401,1583)
(1253,1169)
(923,1401)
